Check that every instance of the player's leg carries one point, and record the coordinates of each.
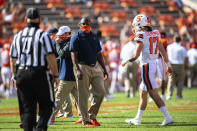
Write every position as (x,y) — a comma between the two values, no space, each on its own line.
(153,92)
(141,108)
(157,99)
(162,74)
(160,104)
(144,87)
(163,87)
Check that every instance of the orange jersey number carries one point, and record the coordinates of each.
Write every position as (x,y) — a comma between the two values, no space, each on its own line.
(153,40)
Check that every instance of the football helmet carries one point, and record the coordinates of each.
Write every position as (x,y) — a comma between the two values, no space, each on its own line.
(140,21)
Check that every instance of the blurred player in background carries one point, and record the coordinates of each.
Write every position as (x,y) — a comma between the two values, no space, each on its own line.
(112,49)
(5,69)
(192,55)
(130,69)
(105,57)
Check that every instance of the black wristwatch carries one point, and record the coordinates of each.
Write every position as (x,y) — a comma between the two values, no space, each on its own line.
(13,78)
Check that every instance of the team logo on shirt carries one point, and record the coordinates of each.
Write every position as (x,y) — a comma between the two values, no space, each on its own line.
(140,36)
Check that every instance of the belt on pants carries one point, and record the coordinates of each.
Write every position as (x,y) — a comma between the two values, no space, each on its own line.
(30,67)
(91,65)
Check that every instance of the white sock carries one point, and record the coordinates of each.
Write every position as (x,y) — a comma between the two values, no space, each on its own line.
(164,110)
(139,114)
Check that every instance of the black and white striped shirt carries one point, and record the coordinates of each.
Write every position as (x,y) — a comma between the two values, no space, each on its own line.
(30,46)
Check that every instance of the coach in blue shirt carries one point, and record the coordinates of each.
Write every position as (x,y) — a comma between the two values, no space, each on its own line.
(88,60)
(67,83)
(87,46)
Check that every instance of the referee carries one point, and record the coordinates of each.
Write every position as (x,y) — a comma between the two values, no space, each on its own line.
(30,55)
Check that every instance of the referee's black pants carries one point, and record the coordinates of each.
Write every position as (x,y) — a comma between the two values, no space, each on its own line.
(34,86)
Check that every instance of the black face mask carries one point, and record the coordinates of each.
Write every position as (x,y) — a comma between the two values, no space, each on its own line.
(37,25)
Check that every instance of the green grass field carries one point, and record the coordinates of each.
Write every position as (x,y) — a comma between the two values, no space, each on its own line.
(114,112)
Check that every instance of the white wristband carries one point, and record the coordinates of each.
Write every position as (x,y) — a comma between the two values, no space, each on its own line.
(168,64)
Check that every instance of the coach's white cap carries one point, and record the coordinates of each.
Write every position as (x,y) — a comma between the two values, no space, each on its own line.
(63,29)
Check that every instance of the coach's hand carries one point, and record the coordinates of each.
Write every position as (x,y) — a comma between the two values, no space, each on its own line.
(105,75)
(169,70)
(79,74)
(58,40)
(56,82)
(123,63)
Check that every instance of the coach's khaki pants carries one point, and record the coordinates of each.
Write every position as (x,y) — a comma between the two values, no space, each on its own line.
(177,78)
(91,76)
(66,106)
(62,95)
(131,82)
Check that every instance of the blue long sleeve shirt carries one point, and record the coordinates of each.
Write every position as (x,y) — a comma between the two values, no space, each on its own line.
(65,65)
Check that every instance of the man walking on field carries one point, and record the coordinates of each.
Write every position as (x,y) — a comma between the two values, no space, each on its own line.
(148,48)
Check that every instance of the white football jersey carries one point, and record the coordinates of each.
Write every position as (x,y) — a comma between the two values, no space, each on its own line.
(151,43)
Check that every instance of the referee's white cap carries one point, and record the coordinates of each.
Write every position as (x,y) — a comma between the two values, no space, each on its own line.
(63,29)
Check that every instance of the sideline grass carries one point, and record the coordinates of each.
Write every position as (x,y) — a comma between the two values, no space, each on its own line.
(113,113)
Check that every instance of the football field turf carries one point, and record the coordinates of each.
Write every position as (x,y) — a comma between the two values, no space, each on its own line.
(114,112)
